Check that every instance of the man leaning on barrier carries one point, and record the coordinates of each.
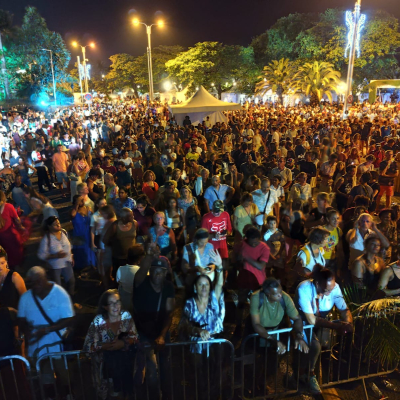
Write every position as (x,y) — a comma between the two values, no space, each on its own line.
(315,299)
(44,314)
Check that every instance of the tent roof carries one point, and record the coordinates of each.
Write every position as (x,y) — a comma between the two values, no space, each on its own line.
(203,101)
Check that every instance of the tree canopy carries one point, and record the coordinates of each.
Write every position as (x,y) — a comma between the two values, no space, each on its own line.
(305,38)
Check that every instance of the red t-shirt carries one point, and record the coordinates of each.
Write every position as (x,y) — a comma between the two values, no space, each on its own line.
(218,224)
(258,253)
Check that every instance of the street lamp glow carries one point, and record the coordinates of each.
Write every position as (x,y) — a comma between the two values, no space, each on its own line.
(75,44)
(167,86)
(160,23)
(103,76)
(92,45)
(136,21)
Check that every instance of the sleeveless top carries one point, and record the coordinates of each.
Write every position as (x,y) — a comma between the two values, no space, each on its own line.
(173,222)
(7,337)
(370,279)
(123,241)
(395,282)
(9,296)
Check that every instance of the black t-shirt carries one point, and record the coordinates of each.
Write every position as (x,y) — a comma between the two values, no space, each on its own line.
(317,214)
(145,300)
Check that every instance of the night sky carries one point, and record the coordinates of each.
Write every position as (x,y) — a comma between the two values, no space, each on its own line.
(108,22)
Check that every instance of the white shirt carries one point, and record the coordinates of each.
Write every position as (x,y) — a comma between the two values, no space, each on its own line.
(357,248)
(312,260)
(306,294)
(57,305)
(260,200)
(125,277)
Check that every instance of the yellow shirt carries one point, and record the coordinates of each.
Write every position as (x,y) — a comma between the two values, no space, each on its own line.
(333,240)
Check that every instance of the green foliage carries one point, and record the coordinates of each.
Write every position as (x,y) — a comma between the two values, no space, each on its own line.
(213,63)
(24,53)
(277,76)
(308,38)
(316,80)
(379,318)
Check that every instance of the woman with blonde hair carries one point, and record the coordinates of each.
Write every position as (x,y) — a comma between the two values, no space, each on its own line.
(150,186)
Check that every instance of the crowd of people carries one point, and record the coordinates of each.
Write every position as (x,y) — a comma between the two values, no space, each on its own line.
(278,209)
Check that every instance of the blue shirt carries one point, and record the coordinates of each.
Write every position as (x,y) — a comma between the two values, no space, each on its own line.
(213,194)
(128,203)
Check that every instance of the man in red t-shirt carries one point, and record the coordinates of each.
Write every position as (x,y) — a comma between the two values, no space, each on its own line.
(218,224)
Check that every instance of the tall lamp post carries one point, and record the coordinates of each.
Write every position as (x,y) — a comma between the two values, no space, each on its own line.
(160,23)
(85,70)
(355,22)
(52,73)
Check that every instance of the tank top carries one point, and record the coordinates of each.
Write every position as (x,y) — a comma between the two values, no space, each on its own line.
(173,222)
(123,241)
(395,282)
(9,295)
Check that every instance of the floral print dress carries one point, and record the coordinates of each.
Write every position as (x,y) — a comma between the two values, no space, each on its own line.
(99,333)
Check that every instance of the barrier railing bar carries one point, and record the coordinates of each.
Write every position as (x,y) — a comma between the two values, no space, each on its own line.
(14,378)
(184,376)
(220,370)
(81,377)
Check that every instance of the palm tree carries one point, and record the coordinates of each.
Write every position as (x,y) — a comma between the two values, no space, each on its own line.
(316,80)
(5,26)
(277,76)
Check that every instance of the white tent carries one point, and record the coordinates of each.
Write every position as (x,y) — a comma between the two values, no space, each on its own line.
(201,105)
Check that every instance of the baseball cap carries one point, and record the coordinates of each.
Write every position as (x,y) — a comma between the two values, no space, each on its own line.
(218,206)
(161,262)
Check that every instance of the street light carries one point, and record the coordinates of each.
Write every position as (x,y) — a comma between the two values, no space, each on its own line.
(355,22)
(52,73)
(160,23)
(85,70)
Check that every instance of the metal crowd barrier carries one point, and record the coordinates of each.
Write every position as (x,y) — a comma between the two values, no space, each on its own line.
(264,373)
(178,373)
(344,358)
(16,380)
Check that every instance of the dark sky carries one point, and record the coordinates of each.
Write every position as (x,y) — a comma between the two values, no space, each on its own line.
(108,22)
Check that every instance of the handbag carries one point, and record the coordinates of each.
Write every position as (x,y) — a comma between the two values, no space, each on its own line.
(66,338)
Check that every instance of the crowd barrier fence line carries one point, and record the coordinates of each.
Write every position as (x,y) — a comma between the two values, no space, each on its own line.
(212,375)
(15,385)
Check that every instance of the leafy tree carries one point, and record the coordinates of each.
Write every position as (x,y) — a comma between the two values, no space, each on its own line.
(316,80)
(25,53)
(5,27)
(208,64)
(380,40)
(277,76)
(160,56)
(122,71)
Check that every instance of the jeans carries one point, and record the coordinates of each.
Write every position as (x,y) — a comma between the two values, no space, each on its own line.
(43,178)
(68,274)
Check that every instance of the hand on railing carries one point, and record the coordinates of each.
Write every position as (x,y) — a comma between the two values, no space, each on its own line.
(281,348)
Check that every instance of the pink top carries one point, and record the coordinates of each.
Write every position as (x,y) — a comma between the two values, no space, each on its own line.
(258,253)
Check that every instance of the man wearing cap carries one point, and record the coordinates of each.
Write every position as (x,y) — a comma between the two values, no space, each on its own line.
(217,191)
(163,193)
(218,224)
(154,302)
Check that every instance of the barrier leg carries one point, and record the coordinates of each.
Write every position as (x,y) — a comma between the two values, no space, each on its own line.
(365,389)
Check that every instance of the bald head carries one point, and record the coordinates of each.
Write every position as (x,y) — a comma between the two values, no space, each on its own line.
(36,272)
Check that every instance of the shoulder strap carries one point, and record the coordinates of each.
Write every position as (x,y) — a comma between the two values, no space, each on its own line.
(261,297)
(45,316)
(269,195)
(282,303)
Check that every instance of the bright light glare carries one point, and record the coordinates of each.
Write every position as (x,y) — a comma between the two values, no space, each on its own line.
(167,86)
(135,21)
(75,44)
(160,23)
(92,45)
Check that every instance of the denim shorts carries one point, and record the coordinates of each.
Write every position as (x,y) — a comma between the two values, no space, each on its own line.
(62,176)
